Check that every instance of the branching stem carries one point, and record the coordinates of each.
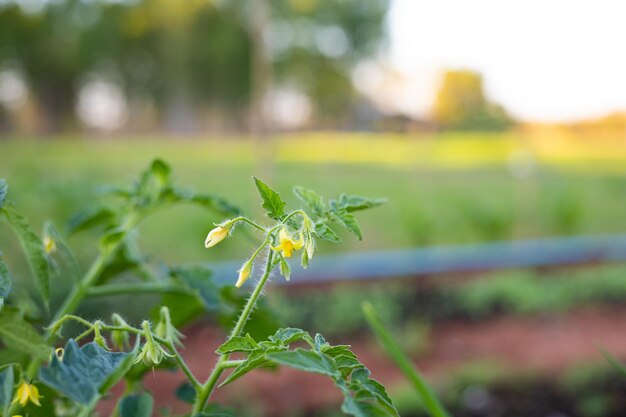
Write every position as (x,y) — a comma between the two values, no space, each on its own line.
(223,362)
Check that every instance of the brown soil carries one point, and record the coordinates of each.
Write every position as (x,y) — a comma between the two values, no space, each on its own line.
(544,345)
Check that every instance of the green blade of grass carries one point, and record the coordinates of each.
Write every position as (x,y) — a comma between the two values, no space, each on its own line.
(614,362)
(431,402)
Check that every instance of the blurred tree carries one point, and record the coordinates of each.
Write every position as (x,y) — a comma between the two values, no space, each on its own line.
(461,104)
(186,57)
(316,44)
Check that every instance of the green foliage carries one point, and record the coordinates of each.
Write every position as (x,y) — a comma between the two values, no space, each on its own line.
(136,405)
(17,334)
(78,377)
(7,381)
(272,203)
(82,372)
(364,397)
(33,247)
(338,210)
(5,282)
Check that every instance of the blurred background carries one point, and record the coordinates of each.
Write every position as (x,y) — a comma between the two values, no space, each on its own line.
(497,131)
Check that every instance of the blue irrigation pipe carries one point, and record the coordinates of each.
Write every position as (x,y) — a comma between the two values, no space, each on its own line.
(374,265)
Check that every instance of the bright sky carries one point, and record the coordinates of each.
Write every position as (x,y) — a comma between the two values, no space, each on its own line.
(542,59)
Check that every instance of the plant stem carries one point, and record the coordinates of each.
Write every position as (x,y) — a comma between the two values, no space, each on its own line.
(223,362)
(250,222)
(183,365)
(232,363)
(137,288)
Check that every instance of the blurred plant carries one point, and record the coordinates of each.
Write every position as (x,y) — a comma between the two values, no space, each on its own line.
(489,222)
(76,377)
(428,398)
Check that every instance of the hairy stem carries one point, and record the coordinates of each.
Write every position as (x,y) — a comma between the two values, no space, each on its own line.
(223,362)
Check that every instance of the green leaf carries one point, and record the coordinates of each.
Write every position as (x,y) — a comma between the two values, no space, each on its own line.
(216,203)
(4,188)
(347,363)
(126,258)
(338,350)
(161,171)
(5,282)
(272,202)
(33,247)
(349,221)
(213,202)
(430,401)
(7,380)
(93,217)
(288,335)
(183,308)
(320,343)
(238,344)
(352,203)
(121,369)
(136,405)
(199,278)
(322,231)
(186,392)
(111,240)
(363,408)
(17,334)
(306,360)
(255,360)
(360,377)
(82,371)
(311,199)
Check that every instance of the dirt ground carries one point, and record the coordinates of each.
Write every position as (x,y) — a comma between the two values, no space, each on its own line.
(544,345)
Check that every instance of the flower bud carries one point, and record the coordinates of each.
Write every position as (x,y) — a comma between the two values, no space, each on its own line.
(151,353)
(120,338)
(27,393)
(244,273)
(218,234)
(309,246)
(165,330)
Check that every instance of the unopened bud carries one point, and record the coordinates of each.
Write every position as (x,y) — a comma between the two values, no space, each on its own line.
(218,234)
(244,273)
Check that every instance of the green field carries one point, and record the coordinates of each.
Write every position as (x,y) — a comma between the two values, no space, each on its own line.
(441,190)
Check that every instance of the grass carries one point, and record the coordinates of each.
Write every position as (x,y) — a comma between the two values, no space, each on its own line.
(452,189)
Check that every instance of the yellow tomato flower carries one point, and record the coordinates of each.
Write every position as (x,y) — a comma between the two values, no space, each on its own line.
(286,244)
(27,392)
(244,273)
(216,235)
